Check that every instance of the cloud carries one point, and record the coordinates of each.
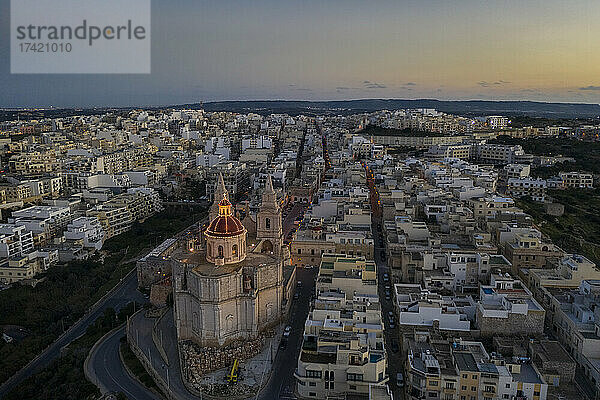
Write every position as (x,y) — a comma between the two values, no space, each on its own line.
(590,87)
(486,84)
(293,86)
(373,85)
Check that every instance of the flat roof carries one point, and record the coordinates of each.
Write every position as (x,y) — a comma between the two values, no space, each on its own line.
(465,361)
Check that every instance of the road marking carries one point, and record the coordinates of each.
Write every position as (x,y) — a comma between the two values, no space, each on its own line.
(106,367)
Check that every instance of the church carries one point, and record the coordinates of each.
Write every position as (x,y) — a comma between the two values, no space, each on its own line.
(228,283)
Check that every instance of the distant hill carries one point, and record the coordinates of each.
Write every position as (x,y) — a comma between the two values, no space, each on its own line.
(473,108)
(467,108)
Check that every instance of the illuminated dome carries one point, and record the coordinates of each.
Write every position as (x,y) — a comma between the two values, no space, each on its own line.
(225,237)
(225,224)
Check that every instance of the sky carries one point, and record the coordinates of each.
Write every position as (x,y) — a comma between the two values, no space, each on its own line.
(542,50)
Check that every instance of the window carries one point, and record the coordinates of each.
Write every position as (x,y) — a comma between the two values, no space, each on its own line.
(268,223)
(220,251)
(313,374)
(234,250)
(301,383)
(536,393)
(312,394)
(463,387)
(299,251)
(433,383)
(312,384)
(354,377)
(474,376)
(473,388)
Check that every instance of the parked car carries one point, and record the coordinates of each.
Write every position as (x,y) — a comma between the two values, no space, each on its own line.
(399,379)
(386,277)
(395,347)
(392,325)
(286,331)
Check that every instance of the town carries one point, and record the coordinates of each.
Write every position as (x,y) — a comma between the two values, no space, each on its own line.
(404,254)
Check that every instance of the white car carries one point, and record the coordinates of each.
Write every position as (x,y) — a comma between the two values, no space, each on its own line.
(286,331)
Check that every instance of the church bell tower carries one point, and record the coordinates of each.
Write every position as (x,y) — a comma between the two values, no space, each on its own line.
(268,223)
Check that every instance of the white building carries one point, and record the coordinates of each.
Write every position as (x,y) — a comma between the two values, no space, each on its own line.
(530,187)
(15,240)
(86,229)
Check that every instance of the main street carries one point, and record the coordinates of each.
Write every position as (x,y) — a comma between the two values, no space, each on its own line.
(395,360)
(122,294)
(281,383)
(105,368)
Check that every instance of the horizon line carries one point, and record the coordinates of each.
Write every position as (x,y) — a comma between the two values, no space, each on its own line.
(46,107)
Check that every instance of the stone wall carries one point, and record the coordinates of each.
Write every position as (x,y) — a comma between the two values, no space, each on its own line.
(152,270)
(530,324)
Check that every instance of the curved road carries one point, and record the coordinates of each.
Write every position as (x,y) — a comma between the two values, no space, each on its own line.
(105,368)
(118,297)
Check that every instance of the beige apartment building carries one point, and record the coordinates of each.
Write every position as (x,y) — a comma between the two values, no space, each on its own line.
(527,250)
(343,352)
(571,270)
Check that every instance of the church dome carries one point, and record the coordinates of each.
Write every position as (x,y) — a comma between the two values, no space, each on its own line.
(225,224)
(225,237)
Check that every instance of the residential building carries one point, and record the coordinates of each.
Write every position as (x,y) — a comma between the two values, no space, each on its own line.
(343,351)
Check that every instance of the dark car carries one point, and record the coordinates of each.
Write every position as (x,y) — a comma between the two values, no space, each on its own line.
(395,347)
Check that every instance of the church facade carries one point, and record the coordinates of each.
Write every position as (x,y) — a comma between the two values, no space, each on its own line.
(228,283)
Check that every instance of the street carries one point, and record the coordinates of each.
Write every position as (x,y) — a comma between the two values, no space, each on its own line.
(107,371)
(122,294)
(395,359)
(281,384)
